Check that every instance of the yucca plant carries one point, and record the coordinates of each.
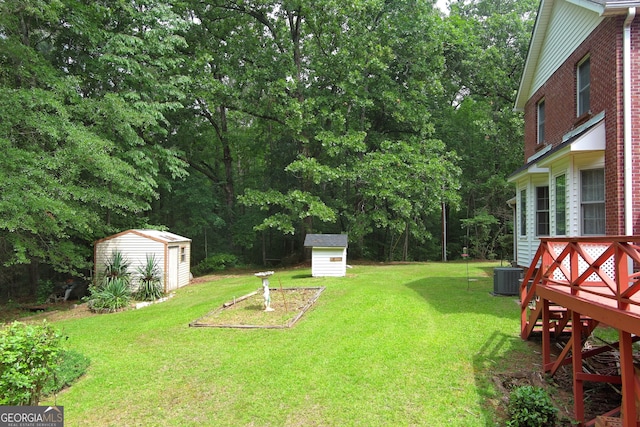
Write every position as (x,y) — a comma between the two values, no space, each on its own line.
(114,295)
(150,280)
(117,267)
(113,291)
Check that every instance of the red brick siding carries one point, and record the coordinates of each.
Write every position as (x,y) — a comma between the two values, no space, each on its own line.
(635,119)
(604,46)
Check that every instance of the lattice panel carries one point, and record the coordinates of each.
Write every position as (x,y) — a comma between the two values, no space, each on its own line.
(594,250)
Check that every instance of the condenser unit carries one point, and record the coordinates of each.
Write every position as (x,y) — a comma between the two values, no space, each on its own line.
(506,280)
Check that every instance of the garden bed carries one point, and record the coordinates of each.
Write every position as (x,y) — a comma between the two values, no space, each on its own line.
(288,304)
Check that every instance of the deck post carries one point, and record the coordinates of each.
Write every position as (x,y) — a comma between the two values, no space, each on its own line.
(546,334)
(627,372)
(578,391)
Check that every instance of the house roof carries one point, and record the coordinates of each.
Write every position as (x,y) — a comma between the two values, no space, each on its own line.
(571,140)
(161,235)
(326,240)
(543,19)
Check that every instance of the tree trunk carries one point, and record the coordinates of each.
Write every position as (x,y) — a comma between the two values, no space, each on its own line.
(34,277)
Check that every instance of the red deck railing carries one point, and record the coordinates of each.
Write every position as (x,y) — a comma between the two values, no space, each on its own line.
(575,283)
(582,272)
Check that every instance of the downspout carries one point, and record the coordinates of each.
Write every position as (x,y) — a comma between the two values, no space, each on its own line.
(628,152)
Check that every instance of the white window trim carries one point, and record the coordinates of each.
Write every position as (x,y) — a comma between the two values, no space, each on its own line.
(537,211)
(554,203)
(539,124)
(579,204)
(582,61)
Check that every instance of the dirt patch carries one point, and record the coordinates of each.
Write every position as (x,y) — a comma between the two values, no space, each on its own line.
(51,312)
(599,398)
(288,305)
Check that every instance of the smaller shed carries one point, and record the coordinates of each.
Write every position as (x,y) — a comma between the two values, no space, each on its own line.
(328,254)
(172,252)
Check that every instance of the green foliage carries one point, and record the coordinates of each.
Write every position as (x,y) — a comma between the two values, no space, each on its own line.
(45,288)
(113,291)
(112,296)
(531,406)
(333,117)
(213,263)
(149,280)
(116,267)
(71,367)
(83,93)
(29,355)
(293,207)
(481,239)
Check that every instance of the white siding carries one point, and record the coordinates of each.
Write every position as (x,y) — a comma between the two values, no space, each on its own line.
(135,246)
(571,166)
(184,265)
(568,27)
(328,262)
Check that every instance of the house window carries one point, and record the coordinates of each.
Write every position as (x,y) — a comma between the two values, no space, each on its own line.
(541,122)
(592,201)
(542,211)
(561,205)
(183,254)
(584,86)
(523,213)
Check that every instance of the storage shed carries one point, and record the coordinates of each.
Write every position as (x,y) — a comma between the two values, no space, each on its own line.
(328,254)
(172,252)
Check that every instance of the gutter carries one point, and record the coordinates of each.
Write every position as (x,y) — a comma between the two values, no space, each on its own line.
(628,160)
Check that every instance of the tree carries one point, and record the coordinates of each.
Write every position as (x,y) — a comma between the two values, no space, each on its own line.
(352,100)
(480,124)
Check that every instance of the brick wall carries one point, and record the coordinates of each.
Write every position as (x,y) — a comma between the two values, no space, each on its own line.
(604,46)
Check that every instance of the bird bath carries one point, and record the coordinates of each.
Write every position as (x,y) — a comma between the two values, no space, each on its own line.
(264,275)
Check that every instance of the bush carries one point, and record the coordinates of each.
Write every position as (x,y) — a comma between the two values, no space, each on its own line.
(217,262)
(72,366)
(29,355)
(114,295)
(113,291)
(531,407)
(44,290)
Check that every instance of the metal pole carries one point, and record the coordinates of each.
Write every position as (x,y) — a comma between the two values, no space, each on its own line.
(444,232)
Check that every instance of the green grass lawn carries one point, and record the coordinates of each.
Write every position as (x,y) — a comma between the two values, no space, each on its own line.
(388,345)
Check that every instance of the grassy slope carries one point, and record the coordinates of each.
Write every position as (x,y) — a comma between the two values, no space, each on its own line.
(386,346)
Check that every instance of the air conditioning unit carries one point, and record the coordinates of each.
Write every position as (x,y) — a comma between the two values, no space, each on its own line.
(506,280)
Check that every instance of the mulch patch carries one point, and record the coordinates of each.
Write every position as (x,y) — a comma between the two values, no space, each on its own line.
(288,304)
(599,398)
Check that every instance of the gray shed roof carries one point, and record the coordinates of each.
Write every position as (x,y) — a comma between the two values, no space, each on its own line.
(326,240)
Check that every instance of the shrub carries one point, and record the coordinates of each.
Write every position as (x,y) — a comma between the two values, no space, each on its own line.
(150,275)
(112,296)
(217,262)
(531,407)
(113,291)
(44,290)
(29,354)
(72,366)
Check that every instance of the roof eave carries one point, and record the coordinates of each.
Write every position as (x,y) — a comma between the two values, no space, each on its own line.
(535,45)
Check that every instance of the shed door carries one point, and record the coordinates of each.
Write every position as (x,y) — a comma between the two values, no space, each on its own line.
(172,268)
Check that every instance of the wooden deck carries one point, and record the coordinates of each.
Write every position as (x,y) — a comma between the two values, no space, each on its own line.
(571,286)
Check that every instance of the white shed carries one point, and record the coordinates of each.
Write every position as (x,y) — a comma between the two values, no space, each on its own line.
(172,252)
(328,254)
